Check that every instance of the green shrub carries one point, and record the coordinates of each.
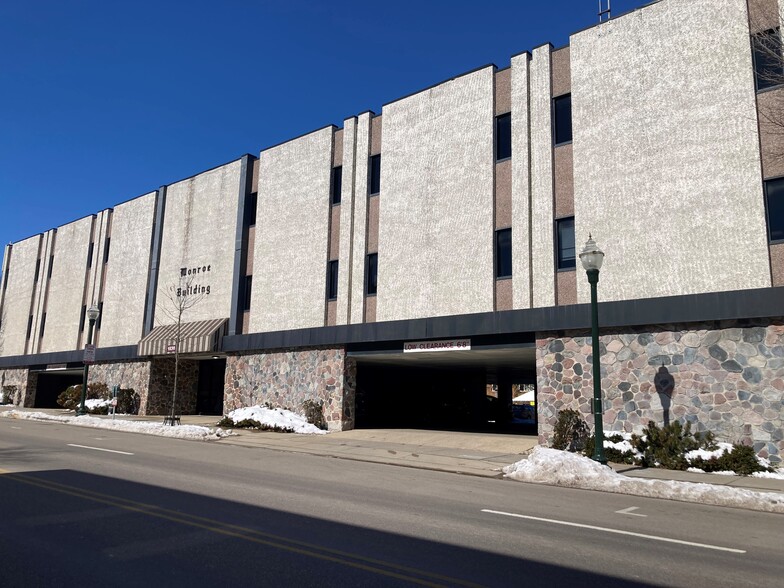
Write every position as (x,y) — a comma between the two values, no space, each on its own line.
(571,431)
(667,446)
(314,413)
(127,401)
(72,396)
(742,460)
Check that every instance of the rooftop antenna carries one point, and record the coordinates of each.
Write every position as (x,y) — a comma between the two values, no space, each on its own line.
(604,13)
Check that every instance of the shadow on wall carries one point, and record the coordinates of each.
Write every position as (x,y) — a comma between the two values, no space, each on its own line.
(664,382)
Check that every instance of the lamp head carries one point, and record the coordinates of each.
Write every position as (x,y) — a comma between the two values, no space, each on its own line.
(591,256)
(93,312)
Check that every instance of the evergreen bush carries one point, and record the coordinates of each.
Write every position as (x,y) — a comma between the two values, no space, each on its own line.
(314,413)
(666,447)
(742,460)
(71,397)
(571,431)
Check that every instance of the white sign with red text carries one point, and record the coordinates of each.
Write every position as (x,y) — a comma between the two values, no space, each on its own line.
(442,345)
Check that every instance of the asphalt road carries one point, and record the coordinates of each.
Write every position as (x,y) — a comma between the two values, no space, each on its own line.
(164,512)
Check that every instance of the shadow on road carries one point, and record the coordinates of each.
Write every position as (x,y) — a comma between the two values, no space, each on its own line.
(69,528)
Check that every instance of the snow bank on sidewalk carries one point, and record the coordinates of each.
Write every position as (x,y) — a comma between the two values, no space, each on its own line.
(149,428)
(560,468)
(275,417)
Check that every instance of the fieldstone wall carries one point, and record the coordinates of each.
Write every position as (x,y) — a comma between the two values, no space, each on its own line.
(126,374)
(24,385)
(159,394)
(286,378)
(725,377)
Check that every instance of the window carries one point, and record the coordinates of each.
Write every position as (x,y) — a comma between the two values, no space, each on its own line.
(562,119)
(247,293)
(251,204)
(371,284)
(375,174)
(81,318)
(29,325)
(37,269)
(106,250)
(503,253)
(51,265)
(90,255)
(100,316)
(337,184)
(43,325)
(503,137)
(565,243)
(332,280)
(774,203)
(768,64)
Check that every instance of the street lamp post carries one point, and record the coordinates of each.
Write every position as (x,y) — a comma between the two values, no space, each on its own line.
(592,258)
(92,315)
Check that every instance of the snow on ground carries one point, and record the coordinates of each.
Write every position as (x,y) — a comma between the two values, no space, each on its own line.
(706,455)
(178,431)
(561,468)
(93,403)
(276,417)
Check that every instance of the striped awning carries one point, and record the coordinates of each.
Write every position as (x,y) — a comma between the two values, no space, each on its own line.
(196,337)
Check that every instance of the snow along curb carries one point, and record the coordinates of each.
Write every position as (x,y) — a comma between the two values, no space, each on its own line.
(148,428)
(560,468)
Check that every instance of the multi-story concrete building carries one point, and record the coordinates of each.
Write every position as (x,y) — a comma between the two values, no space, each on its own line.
(397,266)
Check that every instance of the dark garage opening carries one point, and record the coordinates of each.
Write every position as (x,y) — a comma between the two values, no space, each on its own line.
(209,398)
(51,384)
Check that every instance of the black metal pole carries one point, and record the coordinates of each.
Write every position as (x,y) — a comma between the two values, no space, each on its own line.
(82,410)
(598,412)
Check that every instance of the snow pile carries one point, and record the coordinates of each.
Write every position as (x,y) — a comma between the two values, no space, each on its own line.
(722,448)
(624,446)
(560,468)
(179,432)
(93,403)
(275,418)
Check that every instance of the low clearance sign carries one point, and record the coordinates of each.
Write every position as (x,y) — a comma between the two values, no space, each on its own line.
(443,345)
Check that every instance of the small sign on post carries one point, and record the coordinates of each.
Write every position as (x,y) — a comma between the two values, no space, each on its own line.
(89,355)
(172,348)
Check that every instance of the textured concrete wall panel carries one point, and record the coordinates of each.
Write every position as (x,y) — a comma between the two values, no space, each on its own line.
(127,272)
(289,285)
(521,189)
(347,203)
(503,194)
(503,91)
(66,288)
(198,235)
(359,238)
(563,173)
(436,220)
(666,152)
(562,80)
(542,264)
(18,294)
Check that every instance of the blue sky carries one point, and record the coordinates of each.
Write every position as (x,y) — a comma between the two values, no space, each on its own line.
(105,101)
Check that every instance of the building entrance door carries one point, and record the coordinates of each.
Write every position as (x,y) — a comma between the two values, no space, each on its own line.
(209,399)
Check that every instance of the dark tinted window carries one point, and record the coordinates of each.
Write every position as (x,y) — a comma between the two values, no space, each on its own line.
(337,184)
(562,119)
(106,251)
(332,280)
(100,316)
(37,269)
(90,255)
(43,325)
(774,196)
(251,203)
(565,243)
(768,70)
(247,293)
(503,137)
(82,317)
(503,253)
(29,325)
(372,273)
(51,265)
(375,174)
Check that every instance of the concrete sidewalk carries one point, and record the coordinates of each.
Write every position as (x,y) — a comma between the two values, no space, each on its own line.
(477,454)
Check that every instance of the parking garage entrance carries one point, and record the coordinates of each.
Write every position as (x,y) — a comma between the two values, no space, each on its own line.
(52,382)
(480,384)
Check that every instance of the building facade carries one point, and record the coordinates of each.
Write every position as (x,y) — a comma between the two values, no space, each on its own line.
(418,267)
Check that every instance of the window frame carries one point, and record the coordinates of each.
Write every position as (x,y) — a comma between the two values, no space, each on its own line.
(336,185)
(374,266)
(333,269)
(555,101)
(766,184)
(497,138)
(559,267)
(374,177)
(497,254)
(755,53)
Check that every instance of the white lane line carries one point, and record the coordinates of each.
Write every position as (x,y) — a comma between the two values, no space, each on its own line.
(628,511)
(99,449)
(616,531)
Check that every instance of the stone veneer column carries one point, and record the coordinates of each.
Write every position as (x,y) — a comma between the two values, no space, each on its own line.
(126,374)
(158,399)
(728,379)
(286,378)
